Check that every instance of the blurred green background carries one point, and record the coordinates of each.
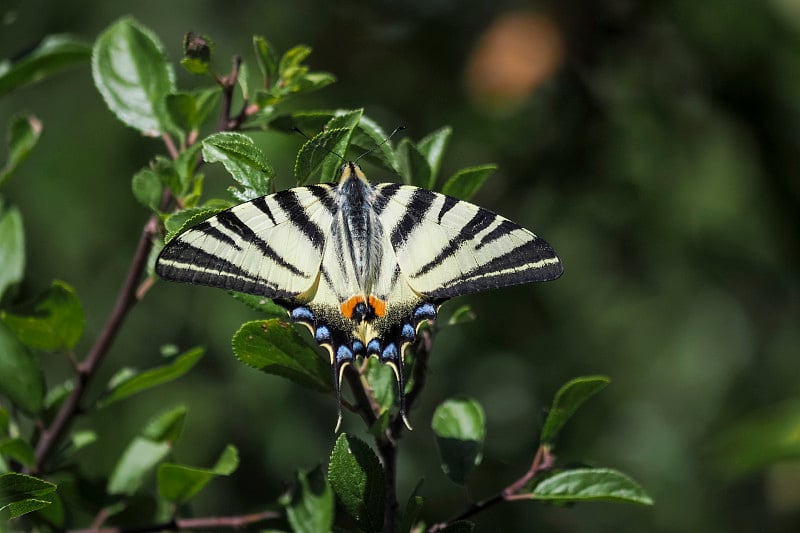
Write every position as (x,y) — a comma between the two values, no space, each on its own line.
(655,145)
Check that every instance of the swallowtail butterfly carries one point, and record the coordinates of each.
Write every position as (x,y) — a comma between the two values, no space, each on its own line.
(361,265)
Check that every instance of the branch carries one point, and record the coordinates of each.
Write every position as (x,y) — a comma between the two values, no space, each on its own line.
(232,522)
(542,461)
(228,83)
(86,369)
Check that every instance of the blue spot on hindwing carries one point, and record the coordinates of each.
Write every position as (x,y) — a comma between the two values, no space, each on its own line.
(343,353)
(389,353)
(425,311)
(374,347)
(358,347)
(302,314)
(322,335)
(408,333)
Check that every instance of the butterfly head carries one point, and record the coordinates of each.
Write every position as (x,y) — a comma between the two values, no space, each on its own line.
(351,171)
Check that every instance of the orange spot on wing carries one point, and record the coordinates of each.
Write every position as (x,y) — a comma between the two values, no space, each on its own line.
(379,306)
(349,306)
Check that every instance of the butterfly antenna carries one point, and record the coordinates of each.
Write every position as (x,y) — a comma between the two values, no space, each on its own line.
(317,144)
(398,128)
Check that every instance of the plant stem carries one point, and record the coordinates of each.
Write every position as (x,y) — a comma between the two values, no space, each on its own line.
(211,522)
(87,368)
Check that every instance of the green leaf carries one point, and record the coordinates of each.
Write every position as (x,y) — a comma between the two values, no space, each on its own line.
(154,377)
(4,421)
(311,507)
(21,494)
(139,458)
(243,160)
(590,484)
(275,347)
(180,483)
(147,188)
(177,223)
(52,322)
(369,137)
(412,511)
(382,381)
(414,168)
(349,120)
(460,427)
(21,377)
(54,53)
(261,304)
(433,146)
(244,81)
(197,51)
(267,60)
(189,110)
(19,450)
(758,440)
(315,151)
(356,476)
(467,181)
(462,315)
(567,400)
(290,64)
(132,74)
(23,133)
(167,426)
(12,248)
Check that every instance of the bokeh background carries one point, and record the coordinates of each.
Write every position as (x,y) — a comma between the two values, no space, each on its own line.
(654,144)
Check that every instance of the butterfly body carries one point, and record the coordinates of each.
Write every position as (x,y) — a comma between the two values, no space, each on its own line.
(361,265)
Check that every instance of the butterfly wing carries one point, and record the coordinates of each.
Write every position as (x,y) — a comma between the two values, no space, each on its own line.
(271,246)
(447,247)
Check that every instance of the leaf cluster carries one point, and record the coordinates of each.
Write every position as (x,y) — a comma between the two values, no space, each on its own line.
(38,446)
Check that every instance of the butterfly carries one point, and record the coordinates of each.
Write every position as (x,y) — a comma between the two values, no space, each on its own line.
(362,266)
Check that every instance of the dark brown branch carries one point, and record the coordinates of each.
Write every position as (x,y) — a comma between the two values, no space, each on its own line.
(52,435)
(228,84)
(231,522)
(542,461)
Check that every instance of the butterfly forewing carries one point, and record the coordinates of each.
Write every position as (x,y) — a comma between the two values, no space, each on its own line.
(271,246)
(447,247)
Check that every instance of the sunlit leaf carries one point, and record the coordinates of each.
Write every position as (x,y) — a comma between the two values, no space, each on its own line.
(413,166)
(53,321)
(23,134)
(433,146)
(267,59)
(54,53)
(12,248)
(154,377)
(460,427)
(356,476)
(316,151)
(311,506)
(139,458)
(275,347)
(180,483)
(467,181)
(567,401)
(590,484)
(21,494)
(21,377)
(132,74)
(246,163)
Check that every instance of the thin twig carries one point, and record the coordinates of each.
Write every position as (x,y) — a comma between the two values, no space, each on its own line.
(231,522)
(86,368)
(228,83)
(542,461)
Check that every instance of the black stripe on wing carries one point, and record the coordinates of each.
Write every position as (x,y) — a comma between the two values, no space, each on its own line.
(418,206)
(230,221)
(182,262)
(534,260)
(478,223)
(296,213)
